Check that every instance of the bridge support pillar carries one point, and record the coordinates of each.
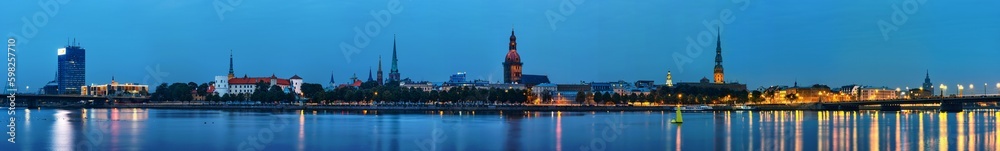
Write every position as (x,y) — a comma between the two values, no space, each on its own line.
(890,107)
(950,106)
(32,103)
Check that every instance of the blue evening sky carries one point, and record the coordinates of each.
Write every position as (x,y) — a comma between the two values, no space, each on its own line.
(775,42)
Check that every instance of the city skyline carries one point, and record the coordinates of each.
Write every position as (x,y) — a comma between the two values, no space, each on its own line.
(592,44)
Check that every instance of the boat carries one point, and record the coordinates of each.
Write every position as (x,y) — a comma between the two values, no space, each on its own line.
(695,108)
(743,107)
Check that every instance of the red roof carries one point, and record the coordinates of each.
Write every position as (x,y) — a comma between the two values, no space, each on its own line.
(256,79)
(512,56)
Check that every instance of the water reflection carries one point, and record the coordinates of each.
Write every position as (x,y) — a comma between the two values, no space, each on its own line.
(126,129)
(62,131)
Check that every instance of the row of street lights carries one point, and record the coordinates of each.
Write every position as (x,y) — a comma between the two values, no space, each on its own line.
(961,88)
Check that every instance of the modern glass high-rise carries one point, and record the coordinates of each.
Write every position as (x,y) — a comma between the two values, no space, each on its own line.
(72,71)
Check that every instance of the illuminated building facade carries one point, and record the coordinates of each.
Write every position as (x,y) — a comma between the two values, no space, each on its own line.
(72,65)
(670,79)
(115,89)
(247,85)
(512,62)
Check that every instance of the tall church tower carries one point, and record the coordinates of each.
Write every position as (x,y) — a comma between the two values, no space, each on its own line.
(231,75)
(370,75)
(719,76)
(379,76)
(512,63)
(394,71)
(670,79)
(928,86)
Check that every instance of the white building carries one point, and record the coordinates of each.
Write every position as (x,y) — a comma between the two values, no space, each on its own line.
(878,94)
(247,85)
(426,87)
(221,85)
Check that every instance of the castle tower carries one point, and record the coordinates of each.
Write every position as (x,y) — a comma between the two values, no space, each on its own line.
(231,75)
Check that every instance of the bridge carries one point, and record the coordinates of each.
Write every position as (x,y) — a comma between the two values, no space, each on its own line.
(33,100)
(947,103)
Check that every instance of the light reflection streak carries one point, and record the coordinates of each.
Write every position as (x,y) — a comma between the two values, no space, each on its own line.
(821,126)
(920,132)
(781,123)
(960,118)
(27,117)
(846,133)
(750,127)
(62,131)
(798,130)
(972,132)
(835,132)
(729,131)
(115,116)
(943,131)
(899,126)
(677,138)
(302,130)
(996,131)
(854,116)
(559,131)
(874,137)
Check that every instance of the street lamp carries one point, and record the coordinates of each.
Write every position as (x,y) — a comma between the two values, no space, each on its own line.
(944,89)
(972,89)
(961,89)
(998,87)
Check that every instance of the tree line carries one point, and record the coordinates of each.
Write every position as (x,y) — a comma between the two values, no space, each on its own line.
(391,92)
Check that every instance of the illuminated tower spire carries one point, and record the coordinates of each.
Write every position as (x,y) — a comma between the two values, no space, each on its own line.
(231,75)
(719,76)
(670,80)
(394,71)
(512,63)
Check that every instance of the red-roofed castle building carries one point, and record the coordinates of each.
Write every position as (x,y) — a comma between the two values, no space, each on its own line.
(247,85)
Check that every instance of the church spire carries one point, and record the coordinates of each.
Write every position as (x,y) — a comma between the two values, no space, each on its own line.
(670,79)
(394,71)
(379,76)
(231,74)
(719,74)
(370,74)
(513,39)
(718,48)
(927,75)
(927,82)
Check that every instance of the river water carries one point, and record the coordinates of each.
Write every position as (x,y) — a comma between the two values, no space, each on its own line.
(162,129)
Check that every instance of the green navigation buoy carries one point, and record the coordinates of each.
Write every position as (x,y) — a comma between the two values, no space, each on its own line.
(678,119)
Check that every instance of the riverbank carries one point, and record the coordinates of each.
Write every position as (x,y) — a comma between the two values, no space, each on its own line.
(774,107)
(405,108)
